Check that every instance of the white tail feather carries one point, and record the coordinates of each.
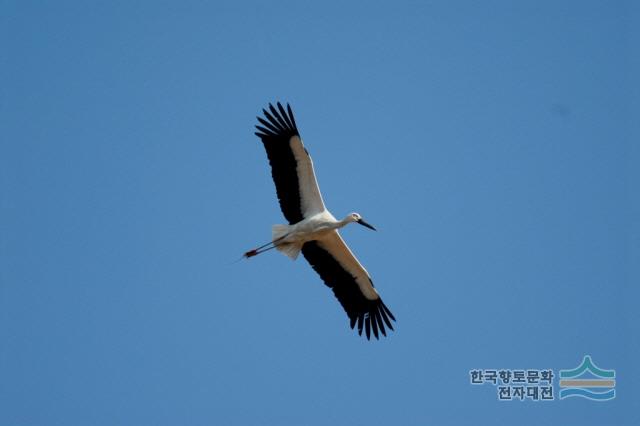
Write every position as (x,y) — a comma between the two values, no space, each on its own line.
(290,249)
(279,231)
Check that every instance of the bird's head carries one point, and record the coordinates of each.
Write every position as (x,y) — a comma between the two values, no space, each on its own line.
(355,217)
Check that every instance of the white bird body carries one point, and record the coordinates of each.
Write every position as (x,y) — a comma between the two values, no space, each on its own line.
(312,229)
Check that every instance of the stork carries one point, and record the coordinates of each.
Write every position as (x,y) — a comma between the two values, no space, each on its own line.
(312,229)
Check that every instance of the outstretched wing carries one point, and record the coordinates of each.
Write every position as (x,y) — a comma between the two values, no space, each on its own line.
(291,165)
(340,270)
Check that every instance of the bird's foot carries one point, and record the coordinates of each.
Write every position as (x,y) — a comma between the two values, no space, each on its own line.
(251,253)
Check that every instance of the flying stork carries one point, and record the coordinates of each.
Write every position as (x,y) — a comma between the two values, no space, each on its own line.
(312,228)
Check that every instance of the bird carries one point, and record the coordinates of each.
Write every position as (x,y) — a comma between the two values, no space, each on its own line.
(312,229)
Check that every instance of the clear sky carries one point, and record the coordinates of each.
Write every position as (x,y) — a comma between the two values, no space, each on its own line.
(493,145)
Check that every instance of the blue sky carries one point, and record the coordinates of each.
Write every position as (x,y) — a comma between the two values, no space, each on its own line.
(493,144)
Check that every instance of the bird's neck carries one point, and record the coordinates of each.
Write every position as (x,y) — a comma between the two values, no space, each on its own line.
(347,220)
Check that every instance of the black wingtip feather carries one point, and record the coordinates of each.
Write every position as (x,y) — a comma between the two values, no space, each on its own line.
(374,325)
(264,132)
(367,324)
(386,319)
(284,115)
(293,121)
(380,323)
(267,125)
(387,310)
(274,111)
(274,122)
